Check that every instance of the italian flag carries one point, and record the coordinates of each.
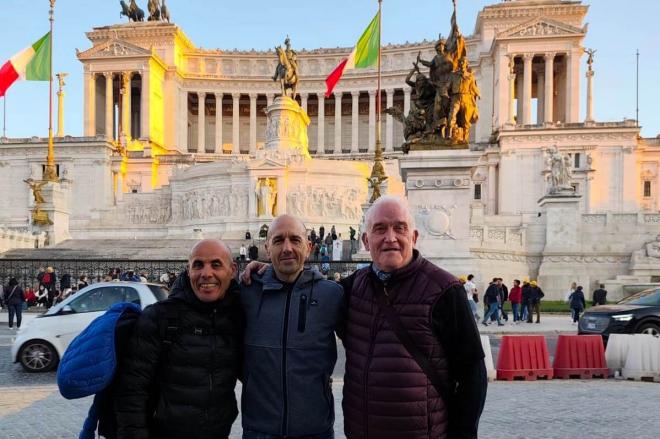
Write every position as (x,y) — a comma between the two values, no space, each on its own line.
(364,55)
(32,64)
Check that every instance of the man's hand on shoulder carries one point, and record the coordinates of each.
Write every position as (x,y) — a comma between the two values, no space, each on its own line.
(253,267)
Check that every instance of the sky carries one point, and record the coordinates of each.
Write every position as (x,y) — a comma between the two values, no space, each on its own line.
(616,30)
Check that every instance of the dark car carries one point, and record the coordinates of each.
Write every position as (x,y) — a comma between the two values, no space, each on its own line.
(636,314)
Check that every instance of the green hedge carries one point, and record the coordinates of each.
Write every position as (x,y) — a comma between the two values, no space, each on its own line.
(558,306)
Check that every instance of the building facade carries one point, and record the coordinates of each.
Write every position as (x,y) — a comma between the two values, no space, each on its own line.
(157,108)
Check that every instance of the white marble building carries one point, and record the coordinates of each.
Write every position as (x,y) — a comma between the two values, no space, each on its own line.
(480,210)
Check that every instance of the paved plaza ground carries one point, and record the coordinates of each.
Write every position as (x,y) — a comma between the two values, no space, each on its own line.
(31,407)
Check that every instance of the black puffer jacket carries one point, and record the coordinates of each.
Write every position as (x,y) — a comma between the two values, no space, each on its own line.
(185,390)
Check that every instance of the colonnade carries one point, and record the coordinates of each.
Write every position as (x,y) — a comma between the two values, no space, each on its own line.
(551,77)
(198,139)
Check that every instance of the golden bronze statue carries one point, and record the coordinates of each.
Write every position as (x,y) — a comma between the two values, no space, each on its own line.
(36,190)
(287,68)
(464,111)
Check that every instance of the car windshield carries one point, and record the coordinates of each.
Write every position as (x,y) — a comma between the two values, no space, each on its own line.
(160,293)
(646,297)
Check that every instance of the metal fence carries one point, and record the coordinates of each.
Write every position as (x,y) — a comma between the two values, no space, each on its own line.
(26,270)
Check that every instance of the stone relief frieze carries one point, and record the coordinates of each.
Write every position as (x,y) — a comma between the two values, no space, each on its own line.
(318,201)
(652,218)
(147,211)
(210,203)
(596,259)
(624,218)
(594,219)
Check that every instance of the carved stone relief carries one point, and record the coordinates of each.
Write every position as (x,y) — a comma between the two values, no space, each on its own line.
(318,201)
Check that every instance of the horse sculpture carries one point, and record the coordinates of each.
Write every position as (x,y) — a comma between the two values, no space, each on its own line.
(285,73)
(154,10)
(164,13)
(133,12)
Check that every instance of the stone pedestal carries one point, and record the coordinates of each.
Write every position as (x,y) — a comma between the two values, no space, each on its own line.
(286,128)
(438,188)
(562,243)
(56,195)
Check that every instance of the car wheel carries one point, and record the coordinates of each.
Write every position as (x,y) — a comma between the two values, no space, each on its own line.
(650,328)
(38,356)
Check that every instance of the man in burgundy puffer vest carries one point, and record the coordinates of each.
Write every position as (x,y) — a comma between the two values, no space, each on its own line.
(386,393)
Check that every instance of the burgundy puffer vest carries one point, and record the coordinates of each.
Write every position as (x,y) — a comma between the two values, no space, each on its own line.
(386,394)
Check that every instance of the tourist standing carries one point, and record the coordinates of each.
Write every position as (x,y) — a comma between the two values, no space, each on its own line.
(567,297)
(600,296)
(524,303)
(14,298)
(471,291)
(577,303)
(515,296)
(535,296)
(242,251)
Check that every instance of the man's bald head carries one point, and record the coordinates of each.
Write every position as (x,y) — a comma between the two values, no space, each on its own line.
(288,221)
(210,269)
(287,246)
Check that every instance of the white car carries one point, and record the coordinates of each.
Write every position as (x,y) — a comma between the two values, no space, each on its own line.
(40,344)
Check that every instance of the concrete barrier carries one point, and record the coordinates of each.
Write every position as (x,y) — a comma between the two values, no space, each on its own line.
(617,351)
(643,359)
(490,367)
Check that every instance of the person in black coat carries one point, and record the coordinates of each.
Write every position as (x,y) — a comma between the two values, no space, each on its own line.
(577,303)
(524,304)
(182,386)
(600,296)
(14,298)
(535,296)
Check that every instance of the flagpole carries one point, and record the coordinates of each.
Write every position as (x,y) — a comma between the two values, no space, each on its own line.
(50,173)
(4,115)
(378,175)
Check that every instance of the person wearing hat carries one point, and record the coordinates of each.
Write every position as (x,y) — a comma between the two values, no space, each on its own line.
(535,296)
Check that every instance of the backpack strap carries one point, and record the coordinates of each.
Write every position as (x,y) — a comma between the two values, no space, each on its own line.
(407,341)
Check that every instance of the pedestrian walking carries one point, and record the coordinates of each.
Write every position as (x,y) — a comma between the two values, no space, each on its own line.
(576,300)
(567,296)
(600,296)
(492,300)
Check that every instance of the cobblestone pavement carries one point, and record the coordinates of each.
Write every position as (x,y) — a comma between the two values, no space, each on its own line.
(31,407)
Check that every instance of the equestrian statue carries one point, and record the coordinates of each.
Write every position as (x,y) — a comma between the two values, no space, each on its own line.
(287,68)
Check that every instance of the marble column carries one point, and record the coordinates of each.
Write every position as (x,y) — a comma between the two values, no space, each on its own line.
(269,99)
(548,94)
(126,105)
(372,120)
(389,121)
(320,133)
(218,123)
(512,90)
(235,148)
(201,122)
(338,96)
(406,101)
(90,104)
(590,98)
(109,107)
(303,101)
(355,121)
(540,85)
(573,85)
(253,123)
(527,88)
(145,120)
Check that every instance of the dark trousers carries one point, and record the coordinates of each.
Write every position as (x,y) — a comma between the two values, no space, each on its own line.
(18,310)
(534,308)
(576,314)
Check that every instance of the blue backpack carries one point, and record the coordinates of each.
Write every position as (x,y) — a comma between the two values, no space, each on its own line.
(89,365)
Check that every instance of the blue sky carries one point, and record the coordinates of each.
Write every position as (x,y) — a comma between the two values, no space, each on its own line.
(616,30)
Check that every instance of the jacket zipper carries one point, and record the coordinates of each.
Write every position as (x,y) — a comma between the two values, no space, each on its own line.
(285,407)
(302,313)
(212,356)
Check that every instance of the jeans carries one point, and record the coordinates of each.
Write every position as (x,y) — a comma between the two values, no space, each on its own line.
(330,434)
(524,311)
(493,309)
(473,307)
(515,310)
(18,310)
